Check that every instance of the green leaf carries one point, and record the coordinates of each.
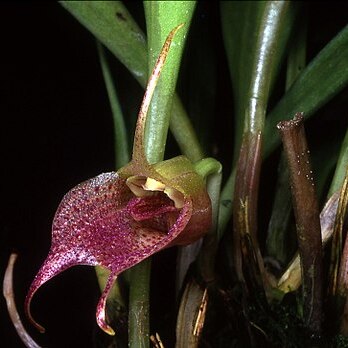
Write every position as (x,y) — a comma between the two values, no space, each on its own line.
(161,18)
(262,30)
(323,78)
(111,23)
(114,27)
(255,35)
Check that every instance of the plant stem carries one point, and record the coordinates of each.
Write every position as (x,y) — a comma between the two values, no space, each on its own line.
(245,209)
(161,18)
(120,134)
(156,128)
(139,305)
(291,278)
(307,218)
(206,257)
(266,51)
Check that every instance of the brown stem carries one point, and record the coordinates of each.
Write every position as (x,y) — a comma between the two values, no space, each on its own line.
(246,249)
(307,218)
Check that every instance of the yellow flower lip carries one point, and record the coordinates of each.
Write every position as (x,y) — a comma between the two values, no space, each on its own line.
(143,186)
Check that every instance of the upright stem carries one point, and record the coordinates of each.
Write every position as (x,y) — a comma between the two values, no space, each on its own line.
(139,305)
(245,206)
(249,162)
(307,218)
(145,152)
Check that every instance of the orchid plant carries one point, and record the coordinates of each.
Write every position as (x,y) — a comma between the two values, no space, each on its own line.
(238,283)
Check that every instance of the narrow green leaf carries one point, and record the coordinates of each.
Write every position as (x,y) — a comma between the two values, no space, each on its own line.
(263,30)
(323,78)
(254,51)
(122,154)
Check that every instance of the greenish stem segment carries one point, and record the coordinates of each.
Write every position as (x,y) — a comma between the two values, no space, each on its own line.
(208,166)
(306,211)
(267,48)
(253,70)
(225,208)
(111,23)
(161,18)
(121,142)
(139,305)
(206,257)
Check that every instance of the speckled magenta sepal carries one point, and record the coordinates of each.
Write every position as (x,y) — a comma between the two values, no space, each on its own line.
(100,222)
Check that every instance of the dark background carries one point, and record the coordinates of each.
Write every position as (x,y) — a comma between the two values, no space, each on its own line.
(56,131)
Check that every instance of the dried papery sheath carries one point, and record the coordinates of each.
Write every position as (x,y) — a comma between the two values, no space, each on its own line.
(116,220)
(11,304)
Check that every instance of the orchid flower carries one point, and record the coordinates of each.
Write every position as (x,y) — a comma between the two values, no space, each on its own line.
(118,219)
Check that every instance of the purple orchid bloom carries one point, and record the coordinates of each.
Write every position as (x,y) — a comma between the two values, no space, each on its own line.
(118,219)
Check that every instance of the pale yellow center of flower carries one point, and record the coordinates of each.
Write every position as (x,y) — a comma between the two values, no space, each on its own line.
(142,187)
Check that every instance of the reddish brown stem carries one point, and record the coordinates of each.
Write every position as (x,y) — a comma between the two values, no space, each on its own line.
(307,218)
(246,249)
